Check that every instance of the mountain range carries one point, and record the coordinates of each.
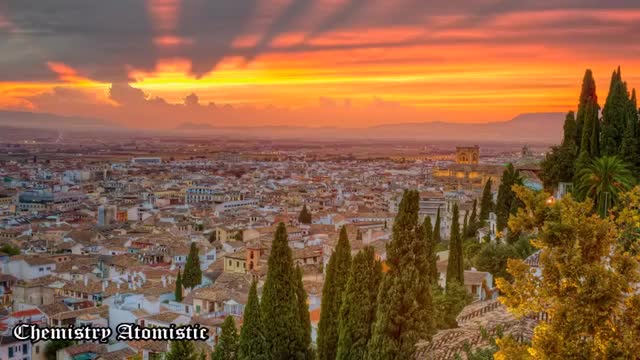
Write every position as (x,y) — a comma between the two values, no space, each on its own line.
(542,128)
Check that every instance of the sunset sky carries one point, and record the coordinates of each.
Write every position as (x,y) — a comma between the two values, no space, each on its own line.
(355,63)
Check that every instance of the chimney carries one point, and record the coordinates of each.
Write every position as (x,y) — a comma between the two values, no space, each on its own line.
(86,280)
(164,281)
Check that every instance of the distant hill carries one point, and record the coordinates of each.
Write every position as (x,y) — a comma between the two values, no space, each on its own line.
(543,128)
(535,127)
(27,119)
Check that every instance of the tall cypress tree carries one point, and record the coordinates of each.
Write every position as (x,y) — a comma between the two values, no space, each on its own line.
(405,311)
(588,124)
(559,164)
(279,305)
(465,225)
(506,196)
(584,119)
(455,269)
(432,269)
(436,228)
(227,346)
(630,151)
(486,202)
(192,275)
(178,291)
(252,342)
(472,226)
(334,285)
(614,115)
(358,309)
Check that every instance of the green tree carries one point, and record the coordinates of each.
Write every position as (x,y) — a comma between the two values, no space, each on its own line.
(493,259)
(614,115)
(436,228)
(178,291)
(455,268)
(252,342)
(588,287)
(227,346)
(506,197)
(52,347)
(448,304)
(432,269)
(472,226)
(279,305)
(603,182)
(305,215)
(486,202)
(10,250)
(405,311)
(192,275)
(558,165)
(335,282)
(358,309)
(465,225)
(587,122)
(181,350)
(630,148)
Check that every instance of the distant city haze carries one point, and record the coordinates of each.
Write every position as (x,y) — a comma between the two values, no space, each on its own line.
(192,64)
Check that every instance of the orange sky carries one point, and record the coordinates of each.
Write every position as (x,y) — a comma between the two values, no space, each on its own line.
(314,63)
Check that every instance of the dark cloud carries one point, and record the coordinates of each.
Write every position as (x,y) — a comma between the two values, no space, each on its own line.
(281,24)
(341,16)
(102,39)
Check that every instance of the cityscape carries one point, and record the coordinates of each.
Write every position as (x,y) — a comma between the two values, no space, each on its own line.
(290,189)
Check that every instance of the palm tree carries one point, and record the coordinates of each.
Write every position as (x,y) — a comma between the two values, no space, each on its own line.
(603,181)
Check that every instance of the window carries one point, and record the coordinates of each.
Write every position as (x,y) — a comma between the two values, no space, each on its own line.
(10,352)
(24,348)
(37,349)
(41,269)
(49,268)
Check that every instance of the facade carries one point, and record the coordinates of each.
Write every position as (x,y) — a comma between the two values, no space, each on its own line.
(468,155)
(14,349)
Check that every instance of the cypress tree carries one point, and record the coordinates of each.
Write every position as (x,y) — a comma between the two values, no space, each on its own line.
(305,215)
(436,228)
(181,350)
(334,285)
(227,346)
(587,112)
(432,269)
(558,165)
(279,306)
(465,225)
(614,115)
(486,202)
(506,195)
(358,309)
(178,291)
(192,275)
(570,130)
(405,311)
(252,343)
(472,227)
(630,151)
(455,269)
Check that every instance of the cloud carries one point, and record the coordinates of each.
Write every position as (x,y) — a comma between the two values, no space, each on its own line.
(104,40)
